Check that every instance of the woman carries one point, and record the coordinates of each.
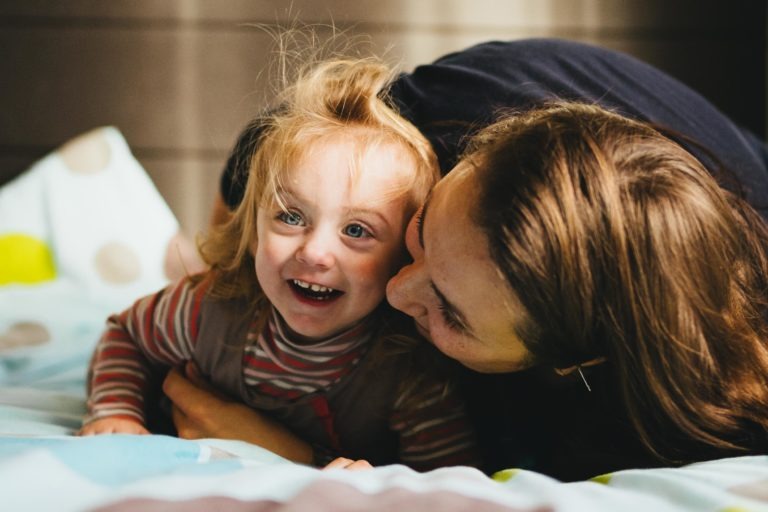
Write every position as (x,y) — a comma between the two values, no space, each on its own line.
(604,250)
(622,343)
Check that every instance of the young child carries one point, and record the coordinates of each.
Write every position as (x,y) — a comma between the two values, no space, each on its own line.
(291,316)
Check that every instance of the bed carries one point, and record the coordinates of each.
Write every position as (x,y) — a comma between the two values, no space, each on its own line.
(82,234)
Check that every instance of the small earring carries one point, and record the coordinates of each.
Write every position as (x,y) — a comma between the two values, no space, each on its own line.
(578,369)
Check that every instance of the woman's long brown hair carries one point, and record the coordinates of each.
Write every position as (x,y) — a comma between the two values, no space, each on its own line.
(620,244)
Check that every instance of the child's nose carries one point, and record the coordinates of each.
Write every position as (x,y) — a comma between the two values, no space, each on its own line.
(317,250)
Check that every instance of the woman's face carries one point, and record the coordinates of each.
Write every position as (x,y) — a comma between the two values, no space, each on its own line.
(453,291)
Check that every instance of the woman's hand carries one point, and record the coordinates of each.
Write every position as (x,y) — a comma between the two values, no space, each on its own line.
(112,426)
(197,407)
(352,465)
(199,412)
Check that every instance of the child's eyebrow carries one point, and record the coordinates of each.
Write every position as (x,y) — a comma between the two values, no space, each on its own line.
(366,211)
(285,193)
(290,196)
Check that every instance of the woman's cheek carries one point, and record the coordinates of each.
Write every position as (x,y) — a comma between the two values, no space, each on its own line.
(437,331)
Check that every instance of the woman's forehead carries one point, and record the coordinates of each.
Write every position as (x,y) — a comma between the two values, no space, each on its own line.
(458,256)
(456,194)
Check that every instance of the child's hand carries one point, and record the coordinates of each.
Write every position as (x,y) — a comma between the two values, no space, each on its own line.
(351,465)
(113,426)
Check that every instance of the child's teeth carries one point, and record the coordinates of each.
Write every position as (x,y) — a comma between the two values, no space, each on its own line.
(313,287)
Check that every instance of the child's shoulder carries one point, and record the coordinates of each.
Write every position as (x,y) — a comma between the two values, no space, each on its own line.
(186,289)
(198,284)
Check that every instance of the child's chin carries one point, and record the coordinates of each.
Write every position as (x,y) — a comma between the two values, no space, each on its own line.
(309,333)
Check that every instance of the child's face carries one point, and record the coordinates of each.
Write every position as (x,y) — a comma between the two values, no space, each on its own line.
(325,264)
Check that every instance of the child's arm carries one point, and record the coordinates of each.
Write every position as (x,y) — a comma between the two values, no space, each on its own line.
(434,429)
(157,331)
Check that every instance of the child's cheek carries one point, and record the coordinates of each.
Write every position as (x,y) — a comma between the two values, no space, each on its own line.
(271,255)
(376,271)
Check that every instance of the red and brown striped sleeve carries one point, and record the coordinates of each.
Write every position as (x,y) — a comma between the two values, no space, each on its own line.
(158,331)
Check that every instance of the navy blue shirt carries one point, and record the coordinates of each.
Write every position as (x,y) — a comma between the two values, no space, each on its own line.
(472,87)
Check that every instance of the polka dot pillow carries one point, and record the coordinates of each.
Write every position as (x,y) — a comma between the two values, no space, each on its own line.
(87,213)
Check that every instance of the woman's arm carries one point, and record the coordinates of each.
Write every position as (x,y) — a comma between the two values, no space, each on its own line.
(199,412)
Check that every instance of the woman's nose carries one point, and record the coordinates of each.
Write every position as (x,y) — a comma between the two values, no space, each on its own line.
(316,250)
(405,291)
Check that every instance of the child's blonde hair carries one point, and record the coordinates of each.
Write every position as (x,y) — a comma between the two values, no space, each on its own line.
(327,98)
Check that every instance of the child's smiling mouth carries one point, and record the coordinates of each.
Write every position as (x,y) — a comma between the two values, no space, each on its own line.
(313,293)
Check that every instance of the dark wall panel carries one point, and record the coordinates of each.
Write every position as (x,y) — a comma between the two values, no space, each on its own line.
(180,77)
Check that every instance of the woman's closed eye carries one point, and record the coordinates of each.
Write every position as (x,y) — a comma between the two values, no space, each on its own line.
(450,319)
(420,220)
(291,218)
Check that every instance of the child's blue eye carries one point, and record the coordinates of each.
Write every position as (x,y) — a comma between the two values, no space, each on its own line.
(356,231)
(290,218)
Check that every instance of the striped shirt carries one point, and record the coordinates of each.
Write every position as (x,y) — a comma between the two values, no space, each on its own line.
(278,366)
(160,331)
